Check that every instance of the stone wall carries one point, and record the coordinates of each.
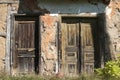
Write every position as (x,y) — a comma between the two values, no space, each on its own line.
(3,22)
(113,25)
(7,7)
(48,44)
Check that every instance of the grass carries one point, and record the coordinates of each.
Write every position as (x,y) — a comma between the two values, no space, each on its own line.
(4,76)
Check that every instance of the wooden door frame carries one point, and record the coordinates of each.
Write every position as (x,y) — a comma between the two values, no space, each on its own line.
(12,39)
(98,17)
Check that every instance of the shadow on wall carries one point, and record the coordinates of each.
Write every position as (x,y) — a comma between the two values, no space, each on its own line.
(108,55)
(103,47)
(30,7)
(101,42)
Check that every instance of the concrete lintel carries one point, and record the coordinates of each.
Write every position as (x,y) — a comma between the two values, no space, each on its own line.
(80,15)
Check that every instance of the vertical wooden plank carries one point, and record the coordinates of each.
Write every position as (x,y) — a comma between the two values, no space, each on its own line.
(63,44)
(25,30)
(88,50)
(66,42)
(27,36)
(82,45)
(16,44)
(33,35)
(78,44)
(19,38)
(12,48)
(23,35)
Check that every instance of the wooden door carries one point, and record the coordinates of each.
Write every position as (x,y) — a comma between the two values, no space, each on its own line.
(26,49)
(77,46)
(87,48)
(70,47)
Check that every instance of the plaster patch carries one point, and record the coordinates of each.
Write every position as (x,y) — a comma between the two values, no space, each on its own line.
(108,12)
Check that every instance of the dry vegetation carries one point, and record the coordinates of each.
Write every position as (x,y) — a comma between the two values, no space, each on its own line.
(3,76)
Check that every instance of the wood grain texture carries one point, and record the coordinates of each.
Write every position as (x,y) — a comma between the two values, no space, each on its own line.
(77,46)
(24,40)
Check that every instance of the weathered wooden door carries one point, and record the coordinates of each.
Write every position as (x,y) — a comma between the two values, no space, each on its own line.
(70,49)
(26,54)
(77,48)
(87,48)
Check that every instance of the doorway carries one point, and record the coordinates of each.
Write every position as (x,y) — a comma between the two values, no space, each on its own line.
(77,41)
(26,45)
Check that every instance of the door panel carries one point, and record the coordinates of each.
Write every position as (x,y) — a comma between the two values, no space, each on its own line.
(70,33)
(26,64)
(25,46)
(87,47)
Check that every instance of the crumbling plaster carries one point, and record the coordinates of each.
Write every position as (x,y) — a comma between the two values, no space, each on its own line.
(48,44)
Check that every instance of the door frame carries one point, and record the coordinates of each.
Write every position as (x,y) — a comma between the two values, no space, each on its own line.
(86,15)
(12,40)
